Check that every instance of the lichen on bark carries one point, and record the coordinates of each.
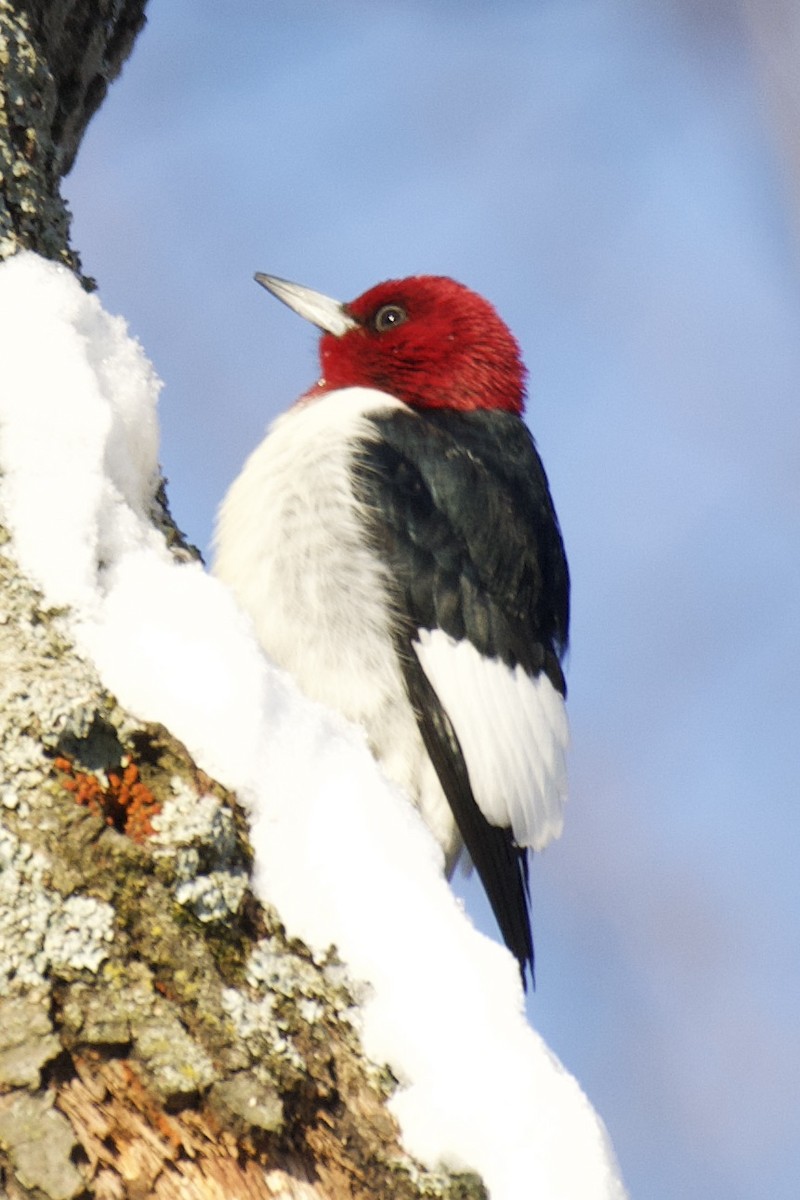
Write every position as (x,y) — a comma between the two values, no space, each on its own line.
(32,213)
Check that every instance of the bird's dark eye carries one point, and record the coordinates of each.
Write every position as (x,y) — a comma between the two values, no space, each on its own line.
(387,316)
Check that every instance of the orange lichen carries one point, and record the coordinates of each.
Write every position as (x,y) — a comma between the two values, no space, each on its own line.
(121,799)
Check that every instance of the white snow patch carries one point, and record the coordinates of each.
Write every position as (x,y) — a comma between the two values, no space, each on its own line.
(342,855)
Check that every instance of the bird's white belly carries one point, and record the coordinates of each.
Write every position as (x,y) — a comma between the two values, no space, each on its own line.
(291,546)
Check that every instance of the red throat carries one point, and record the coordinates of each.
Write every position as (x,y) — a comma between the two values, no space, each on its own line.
(430,342)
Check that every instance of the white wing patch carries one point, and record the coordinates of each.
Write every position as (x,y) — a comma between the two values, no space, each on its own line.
(513,733)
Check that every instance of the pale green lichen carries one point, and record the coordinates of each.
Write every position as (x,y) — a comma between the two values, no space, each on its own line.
(92,1016)
(78,934)
(188,819)
(293,976)
(27,1041)
(50,698)
(175,1062)
(20,771)
(198,835)
(213,897)
(254,1020)
(39,1142)
(46,694)
(252,1016)
(251,1101)
(284,993)
(41,933)
(122,1007)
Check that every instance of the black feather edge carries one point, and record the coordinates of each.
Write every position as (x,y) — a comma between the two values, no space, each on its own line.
(501,865)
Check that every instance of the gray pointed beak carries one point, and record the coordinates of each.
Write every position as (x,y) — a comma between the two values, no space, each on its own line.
(321,310)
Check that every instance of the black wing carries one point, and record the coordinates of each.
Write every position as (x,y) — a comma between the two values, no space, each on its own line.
(460,511)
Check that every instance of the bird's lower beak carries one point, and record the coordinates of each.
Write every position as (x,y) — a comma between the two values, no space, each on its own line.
(321,310)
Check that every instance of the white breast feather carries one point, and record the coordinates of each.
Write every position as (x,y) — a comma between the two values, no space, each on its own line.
(290,542)
(513,733)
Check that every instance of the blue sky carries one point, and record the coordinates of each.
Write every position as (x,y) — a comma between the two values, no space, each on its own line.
(601,171)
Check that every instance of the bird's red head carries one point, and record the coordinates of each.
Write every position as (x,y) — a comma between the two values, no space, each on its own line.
(427,340)
(430,342)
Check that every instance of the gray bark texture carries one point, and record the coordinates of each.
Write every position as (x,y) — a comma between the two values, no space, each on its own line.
(159,1034)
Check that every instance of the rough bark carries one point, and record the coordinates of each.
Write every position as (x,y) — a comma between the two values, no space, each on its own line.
(159,1035)
(57,58)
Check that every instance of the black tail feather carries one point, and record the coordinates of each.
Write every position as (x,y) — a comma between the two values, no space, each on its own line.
(501,865)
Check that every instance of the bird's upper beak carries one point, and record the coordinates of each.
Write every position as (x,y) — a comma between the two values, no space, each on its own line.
(321,310)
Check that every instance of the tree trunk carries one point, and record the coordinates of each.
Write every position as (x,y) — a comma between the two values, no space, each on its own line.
(159,1036)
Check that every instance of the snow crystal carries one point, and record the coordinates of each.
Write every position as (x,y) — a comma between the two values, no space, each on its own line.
(342,856)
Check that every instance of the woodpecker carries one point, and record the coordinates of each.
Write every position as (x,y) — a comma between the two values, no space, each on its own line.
(394,540)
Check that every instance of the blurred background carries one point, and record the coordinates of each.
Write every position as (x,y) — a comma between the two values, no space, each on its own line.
(621,178)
